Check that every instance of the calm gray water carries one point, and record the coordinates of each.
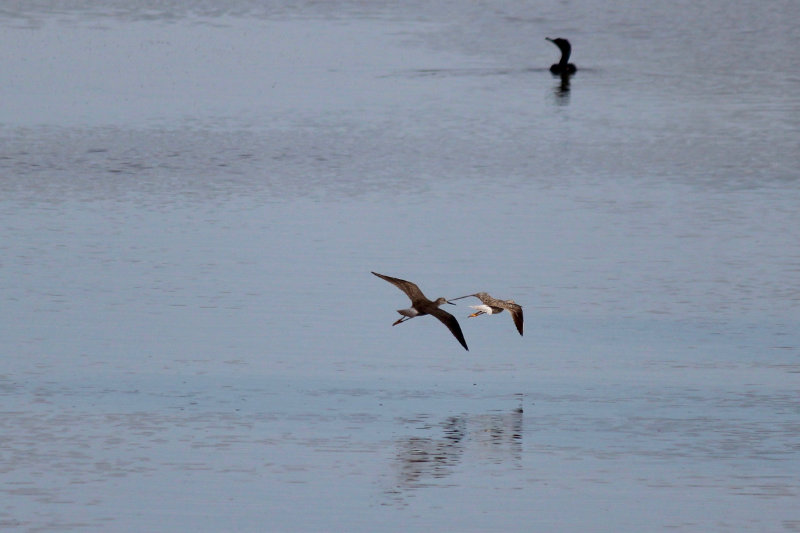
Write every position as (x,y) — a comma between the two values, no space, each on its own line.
(192,200)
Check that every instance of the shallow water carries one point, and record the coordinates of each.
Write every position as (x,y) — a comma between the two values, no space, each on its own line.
(191,201)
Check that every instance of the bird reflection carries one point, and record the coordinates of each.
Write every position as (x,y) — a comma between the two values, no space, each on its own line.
(419,458)
(423,461)
(561,91)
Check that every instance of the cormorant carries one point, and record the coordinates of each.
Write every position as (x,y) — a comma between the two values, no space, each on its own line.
(562,67)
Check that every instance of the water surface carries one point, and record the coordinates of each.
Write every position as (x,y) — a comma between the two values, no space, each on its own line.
(192,198)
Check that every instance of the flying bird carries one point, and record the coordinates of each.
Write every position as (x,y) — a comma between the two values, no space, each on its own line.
(420,305)
(493,306)
(563,66)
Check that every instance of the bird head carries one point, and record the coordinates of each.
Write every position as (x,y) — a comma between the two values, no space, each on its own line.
(563,45)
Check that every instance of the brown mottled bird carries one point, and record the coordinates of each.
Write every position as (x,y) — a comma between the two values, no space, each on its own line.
(492,306)
(420,305)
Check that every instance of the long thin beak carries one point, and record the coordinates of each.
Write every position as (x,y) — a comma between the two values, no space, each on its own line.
(460,298)
(451,303)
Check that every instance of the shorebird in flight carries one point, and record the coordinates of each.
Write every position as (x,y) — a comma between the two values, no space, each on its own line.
(420,305)
(492,306)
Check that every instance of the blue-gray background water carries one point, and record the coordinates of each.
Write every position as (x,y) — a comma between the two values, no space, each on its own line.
(192,198)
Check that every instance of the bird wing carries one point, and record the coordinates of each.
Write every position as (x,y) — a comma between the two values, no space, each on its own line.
(411,289)
(452,324)
(516,314)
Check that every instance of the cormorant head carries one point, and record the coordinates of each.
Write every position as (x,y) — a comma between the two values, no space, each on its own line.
(564,46)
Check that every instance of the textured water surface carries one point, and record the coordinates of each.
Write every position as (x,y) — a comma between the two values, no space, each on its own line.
(192,199)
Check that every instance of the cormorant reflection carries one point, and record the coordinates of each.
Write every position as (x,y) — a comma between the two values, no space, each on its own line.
(561,90)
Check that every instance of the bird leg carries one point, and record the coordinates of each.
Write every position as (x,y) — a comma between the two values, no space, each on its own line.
(402,319)
(477,313)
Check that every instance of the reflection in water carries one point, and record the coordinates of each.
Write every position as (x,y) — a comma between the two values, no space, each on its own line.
(419,458)
(561,91)
(421,461)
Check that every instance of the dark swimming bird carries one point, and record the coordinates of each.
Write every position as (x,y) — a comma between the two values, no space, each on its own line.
(420,305)
(563,66)
(493,306)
